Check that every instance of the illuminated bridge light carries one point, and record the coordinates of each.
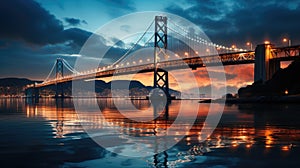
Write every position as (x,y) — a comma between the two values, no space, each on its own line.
(285,148)
(186,53)
(148,59)
(127,63)
(134,62)
(141,61)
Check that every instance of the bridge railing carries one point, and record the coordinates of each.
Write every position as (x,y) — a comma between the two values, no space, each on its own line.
(285,52)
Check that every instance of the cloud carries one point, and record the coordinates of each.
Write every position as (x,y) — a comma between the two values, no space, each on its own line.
(125,28)
(117,42)
(67,55)
(121,6)
(235,22)
(78,36)
(30,36)
(74,22)
(28,21)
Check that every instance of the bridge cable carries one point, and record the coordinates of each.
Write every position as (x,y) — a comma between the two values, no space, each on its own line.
(203,41)
(50,72)
(69,66)
(122,57)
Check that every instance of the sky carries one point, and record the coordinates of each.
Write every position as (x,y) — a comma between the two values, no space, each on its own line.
(34,33)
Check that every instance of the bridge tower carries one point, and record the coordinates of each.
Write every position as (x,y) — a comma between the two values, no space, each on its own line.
(59,68)
(264,67)
(59,74)
(161,77)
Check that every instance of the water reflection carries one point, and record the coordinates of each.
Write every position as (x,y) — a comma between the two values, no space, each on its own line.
(240,125)
(59,113)
(247,127)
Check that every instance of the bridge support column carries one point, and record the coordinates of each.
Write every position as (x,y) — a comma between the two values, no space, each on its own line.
(59,92)
(36,93)
(28,93)
(161,81)
(59,74)
(264,67)
(33,94)
(161,77)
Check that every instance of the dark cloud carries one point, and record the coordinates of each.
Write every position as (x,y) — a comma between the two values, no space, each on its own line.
(28,21)
(31,39)
(118,43)
(235,22)
(74,21)
(78,36)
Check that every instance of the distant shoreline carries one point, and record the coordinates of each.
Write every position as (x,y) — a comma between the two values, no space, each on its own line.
(260,99)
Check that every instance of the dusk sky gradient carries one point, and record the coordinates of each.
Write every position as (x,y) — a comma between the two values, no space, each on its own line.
(32,33)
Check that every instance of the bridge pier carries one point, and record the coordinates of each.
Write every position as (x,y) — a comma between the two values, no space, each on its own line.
(264,67)
(59,92)
(33,93)
(36,93)
(161,81)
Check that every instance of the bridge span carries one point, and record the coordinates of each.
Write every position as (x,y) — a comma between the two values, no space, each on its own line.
(266,59)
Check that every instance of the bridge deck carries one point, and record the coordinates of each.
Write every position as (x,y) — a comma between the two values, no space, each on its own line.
(190,62)
(243,57)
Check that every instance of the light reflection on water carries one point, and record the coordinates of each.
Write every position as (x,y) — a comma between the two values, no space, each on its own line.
(242,127)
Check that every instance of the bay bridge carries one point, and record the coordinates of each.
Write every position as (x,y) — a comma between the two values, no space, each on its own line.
(266,58)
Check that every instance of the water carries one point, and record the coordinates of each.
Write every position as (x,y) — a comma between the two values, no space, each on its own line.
(49,134)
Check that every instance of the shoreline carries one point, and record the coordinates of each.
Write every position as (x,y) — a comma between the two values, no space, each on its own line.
(260,99)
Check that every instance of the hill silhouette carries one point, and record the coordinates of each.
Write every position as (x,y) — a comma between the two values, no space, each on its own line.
(284,82)
(13,86)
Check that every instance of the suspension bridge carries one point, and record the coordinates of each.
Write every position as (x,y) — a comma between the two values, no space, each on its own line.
(188,49)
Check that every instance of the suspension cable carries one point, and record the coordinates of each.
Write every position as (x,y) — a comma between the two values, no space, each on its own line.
(50,72)
(69,66)
(122,57)
(203,41)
